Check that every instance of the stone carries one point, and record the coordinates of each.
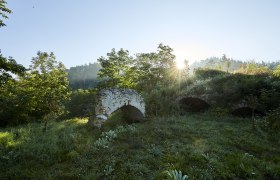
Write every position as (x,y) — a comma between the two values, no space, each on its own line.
(110,100)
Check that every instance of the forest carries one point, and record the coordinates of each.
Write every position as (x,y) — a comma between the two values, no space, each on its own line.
(218,118)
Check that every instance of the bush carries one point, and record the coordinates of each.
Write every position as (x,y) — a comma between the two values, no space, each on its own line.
(161,101)
(273,119)
(208,73)
(81,103)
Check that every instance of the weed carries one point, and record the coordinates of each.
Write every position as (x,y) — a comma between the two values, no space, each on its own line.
(175,175)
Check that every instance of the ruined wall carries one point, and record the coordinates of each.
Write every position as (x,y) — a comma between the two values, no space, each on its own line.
(110,100)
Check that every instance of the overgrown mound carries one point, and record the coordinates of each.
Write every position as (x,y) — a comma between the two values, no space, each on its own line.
(228,90)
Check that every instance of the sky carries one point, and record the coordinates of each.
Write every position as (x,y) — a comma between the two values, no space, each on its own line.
(79,32)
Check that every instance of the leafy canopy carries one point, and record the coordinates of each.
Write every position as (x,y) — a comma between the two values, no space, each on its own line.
(119,69)
(116,69)
(40,91)
(276,71)
(47,84)
(3,12)
(9,66)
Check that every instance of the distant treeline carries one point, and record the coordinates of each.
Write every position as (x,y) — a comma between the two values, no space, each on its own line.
(84,76)
(228,64)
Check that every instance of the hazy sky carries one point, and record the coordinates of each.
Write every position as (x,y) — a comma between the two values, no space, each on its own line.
(79,32)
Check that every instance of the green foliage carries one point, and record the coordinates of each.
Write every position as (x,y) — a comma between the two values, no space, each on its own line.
(81,103)
(208,73)
(107,137)
(3,12)
(253,68)
(219,112)
(230,65)
(142,73)
(276,71)
(14,104)
(226,90)
(116,69)
(30,144)
(203,146)
(156,68)
(269,97)
(207,146)
(47,85)
(160,101)
(272,120)
(84,77)
(41,91)
(175,175)
(8,66)
(218,63)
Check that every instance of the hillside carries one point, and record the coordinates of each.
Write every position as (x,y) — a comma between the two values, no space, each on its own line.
(84,76)
(202,146)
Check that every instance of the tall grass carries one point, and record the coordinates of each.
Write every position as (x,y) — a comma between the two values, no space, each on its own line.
(199,146)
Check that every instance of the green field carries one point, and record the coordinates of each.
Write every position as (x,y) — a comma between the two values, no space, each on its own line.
(201,146)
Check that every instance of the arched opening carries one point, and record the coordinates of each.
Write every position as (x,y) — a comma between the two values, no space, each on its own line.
(125,115)
(246,112)
(191,104)
(128,104)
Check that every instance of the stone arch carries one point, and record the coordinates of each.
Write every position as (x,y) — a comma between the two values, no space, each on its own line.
(110,100)
(246,111)
(131,114)
(193,104)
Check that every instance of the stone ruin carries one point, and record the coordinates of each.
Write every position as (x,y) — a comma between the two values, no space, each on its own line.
(110,100)
(133,106)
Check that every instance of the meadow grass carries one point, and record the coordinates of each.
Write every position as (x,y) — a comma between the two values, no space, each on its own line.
(201,146)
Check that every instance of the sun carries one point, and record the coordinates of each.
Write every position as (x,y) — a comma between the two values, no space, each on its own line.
(180,65)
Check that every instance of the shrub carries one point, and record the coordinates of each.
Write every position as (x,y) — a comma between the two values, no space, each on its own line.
(108,136)
(273,119)
(81,103)
(201,73)
(175,175)
(161,101)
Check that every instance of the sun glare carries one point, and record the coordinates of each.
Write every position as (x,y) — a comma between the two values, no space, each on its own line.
(180,65)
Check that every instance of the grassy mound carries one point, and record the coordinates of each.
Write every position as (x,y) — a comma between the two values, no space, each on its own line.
(201,146)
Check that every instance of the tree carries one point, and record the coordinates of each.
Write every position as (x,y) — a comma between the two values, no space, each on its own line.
(3,12)
(40,92)
(254,68)
(276,71)
(226,61)
(156,67)
(147,69)
(8,98)
(9,66)
(116,69)
(46,84)
(81,104)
